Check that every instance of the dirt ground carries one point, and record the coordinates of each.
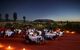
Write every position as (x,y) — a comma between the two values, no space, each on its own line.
(67,42)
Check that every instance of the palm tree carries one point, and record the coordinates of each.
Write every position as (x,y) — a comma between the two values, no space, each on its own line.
(0,17)
(15,16)
(24,18)
(6,17)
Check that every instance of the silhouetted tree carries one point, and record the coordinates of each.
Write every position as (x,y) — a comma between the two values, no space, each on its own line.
(15,16)
(24,18)
(6,17)
(0,17)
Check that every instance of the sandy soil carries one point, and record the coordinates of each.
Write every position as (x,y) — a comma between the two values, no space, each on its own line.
(68,42)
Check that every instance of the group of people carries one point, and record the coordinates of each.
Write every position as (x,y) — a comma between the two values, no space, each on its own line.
(32,34)
(35,35)
(9,32)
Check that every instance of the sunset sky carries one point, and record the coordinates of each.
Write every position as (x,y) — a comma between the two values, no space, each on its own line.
(58,10)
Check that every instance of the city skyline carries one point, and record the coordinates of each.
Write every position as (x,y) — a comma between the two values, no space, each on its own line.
(57,10)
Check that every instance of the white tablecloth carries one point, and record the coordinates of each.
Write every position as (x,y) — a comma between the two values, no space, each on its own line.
(50,35)
(35,38)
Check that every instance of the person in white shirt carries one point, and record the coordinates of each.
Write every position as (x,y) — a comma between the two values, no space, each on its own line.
(40,32)
(8,32)
(34,37)
(49,34)
(60,33)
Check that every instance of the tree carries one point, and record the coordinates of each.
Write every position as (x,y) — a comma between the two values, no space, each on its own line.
(0,17)
(15,16)
(6,17)
(24,18)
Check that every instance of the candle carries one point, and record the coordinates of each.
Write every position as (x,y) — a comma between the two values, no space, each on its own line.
(67,32)
(1,46)
(24,49)
(72,32)
(9,48)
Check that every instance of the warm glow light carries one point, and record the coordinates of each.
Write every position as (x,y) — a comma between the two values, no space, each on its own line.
(1,46)
(24,49)
(72,32)
(67,32)
(9,48)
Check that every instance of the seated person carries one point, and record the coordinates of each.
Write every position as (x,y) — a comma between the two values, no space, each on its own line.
(8,32)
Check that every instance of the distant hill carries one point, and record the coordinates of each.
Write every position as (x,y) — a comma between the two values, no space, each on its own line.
(43,20)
